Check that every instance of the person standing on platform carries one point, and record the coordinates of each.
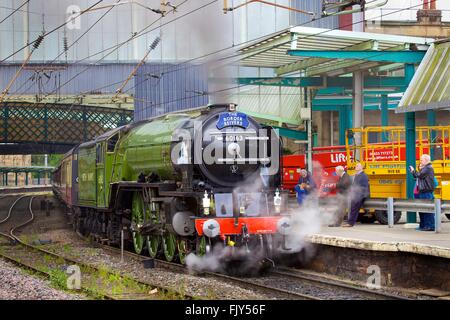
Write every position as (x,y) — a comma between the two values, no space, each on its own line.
(359,192)
(425,188)
(304,186)
(342,187)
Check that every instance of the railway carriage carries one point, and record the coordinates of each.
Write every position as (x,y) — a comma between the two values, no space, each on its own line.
(180,183)
(64,179)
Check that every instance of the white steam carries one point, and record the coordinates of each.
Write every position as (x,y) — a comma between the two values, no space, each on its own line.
(306,220)
(209,35)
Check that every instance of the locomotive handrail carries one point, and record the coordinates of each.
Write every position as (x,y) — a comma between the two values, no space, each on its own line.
(436,206)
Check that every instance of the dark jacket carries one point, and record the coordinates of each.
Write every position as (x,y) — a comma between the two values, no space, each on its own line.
(343,184)
(361,184)
(425,179)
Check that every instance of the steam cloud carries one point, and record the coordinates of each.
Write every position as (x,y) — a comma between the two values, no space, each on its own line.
(210,31)
(306,219)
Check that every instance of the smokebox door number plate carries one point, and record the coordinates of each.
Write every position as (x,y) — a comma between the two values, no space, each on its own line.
(229,119)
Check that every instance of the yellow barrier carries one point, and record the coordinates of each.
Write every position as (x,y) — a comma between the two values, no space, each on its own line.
(382,152)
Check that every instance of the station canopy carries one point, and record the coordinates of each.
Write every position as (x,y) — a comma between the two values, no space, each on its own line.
(430,87)
(321,59)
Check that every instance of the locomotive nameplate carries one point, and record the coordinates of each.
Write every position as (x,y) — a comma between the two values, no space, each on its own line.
(230,119)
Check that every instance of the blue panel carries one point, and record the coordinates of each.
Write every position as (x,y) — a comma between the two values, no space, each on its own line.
(178,88)
(102,78)
(305,20)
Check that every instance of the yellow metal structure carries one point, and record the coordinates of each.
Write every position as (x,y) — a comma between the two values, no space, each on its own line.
(385,162)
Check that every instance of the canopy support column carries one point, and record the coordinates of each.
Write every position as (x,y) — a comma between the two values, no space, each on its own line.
(410,137)
(358,104)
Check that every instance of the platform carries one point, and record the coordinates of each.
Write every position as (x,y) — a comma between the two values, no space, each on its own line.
(5,190)
(376,237)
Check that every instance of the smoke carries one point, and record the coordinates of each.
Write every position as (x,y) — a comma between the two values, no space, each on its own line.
(209,262)
(227,259)
(306,219)
(209,32)
(216,260)
(309,218)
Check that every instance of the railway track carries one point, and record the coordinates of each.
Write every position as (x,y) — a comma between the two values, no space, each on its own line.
(284,283)
(334,289)
(96,282)
(272,291)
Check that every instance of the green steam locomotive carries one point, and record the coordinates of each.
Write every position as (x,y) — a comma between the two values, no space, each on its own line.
(192,181)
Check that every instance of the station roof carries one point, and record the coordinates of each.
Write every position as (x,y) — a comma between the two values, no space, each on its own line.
(430,87)
(320,59)
(272,51)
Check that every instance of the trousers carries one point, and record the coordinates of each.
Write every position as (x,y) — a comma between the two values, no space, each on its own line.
(426,218)
(355,206)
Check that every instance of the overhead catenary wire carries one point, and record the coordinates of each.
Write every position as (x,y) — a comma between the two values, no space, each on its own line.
(49,32)
(275,46)
(174,68)
(174,8)
(288,41)
(138,34)
(67,47)
(152,47)
(130,39)
(141,33)
(36,45)
(241,44)
(14,11)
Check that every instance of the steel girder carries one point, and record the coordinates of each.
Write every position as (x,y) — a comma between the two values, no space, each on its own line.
(54,128)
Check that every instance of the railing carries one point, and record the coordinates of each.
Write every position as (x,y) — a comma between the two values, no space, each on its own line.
(391,146)
(436,206)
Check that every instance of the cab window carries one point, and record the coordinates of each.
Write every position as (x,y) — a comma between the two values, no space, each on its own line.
(111,144)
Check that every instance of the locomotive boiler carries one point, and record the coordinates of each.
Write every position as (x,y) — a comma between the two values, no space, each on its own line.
(192,181)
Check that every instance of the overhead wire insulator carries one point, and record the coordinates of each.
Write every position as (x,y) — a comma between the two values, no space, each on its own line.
(155,43)
(38,41)
(66,46)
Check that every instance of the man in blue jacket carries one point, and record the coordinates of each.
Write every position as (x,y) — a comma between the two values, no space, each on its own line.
(360,191)
(305,186)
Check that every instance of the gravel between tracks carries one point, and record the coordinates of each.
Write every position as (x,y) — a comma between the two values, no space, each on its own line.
(15,284)
(68,244)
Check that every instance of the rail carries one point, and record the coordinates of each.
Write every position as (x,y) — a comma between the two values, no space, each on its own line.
(436,206)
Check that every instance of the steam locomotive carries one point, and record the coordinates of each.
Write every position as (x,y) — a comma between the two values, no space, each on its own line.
(192,181)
